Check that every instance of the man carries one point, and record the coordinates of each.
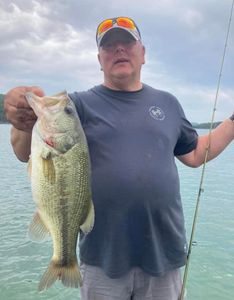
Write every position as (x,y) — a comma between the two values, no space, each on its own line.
(138,243)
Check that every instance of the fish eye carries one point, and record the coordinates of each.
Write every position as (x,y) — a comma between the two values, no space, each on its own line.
(68,110)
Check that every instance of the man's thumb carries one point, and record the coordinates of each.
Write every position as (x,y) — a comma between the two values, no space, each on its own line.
(37,91)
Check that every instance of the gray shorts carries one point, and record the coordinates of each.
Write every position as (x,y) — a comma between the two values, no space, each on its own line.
(135,285)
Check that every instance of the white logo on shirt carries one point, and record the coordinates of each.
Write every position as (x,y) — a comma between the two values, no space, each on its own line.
(157,113)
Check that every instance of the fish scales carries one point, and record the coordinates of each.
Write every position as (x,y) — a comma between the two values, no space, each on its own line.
(59,212)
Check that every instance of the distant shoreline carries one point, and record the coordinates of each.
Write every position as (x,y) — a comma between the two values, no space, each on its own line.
(194,124)
(205,125)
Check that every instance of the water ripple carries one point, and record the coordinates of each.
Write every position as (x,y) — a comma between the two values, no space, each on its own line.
(22,262)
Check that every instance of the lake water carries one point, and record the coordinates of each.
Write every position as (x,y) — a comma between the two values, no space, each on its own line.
(211,272)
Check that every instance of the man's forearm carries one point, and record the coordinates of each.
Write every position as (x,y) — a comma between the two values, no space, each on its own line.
(21,143)
(219,140)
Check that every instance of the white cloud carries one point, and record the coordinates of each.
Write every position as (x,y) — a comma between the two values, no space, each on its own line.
(193,18)
(36,46)
(52,44)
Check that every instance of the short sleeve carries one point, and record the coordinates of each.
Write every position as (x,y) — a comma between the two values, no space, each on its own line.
(187,140)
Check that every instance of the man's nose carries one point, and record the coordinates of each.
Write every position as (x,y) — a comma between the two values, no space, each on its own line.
(119,47)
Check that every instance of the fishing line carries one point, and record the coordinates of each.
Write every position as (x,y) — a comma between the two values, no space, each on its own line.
(201,189)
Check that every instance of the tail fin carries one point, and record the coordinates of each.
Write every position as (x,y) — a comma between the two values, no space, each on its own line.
(69,275)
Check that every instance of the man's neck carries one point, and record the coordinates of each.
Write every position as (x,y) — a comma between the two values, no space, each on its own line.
(123,86)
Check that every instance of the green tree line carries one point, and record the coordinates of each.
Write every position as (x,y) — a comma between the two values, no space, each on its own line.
(205,125)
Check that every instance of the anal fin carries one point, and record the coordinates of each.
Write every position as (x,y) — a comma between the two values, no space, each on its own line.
(37,229)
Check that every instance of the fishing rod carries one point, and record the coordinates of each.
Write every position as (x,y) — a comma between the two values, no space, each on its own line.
(201,189)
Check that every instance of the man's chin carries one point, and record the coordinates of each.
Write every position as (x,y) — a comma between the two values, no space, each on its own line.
(122,75)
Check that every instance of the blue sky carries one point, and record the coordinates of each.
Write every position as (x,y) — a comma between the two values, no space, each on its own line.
(52,44)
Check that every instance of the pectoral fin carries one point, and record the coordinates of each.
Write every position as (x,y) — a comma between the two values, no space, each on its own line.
(37,229)
(87,226)
(48,169)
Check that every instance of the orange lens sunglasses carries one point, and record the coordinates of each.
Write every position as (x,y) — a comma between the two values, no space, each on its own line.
(121,21)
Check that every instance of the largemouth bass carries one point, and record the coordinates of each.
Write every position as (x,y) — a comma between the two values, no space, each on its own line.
(59,168)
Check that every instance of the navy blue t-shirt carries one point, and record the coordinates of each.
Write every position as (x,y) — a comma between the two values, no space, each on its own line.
(133,138)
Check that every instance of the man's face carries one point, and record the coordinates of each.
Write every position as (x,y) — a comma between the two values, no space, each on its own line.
(121,56)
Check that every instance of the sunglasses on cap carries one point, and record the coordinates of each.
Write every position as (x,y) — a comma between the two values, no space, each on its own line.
(124,23)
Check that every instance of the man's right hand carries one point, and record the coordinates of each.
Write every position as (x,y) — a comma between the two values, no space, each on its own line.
(17,110)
